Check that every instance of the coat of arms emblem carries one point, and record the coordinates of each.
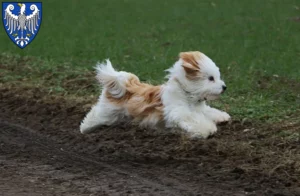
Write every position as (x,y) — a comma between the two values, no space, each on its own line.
(22,21)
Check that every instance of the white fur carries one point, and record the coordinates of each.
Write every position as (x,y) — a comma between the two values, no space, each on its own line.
(185,110)
(107,75)
(184,104)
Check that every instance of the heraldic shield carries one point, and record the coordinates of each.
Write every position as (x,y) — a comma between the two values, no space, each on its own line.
(22,21)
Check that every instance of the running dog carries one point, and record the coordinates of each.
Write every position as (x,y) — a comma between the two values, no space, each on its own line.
(180,102)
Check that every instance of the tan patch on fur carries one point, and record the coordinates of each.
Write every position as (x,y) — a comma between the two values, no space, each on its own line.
(190,64)
(141,100)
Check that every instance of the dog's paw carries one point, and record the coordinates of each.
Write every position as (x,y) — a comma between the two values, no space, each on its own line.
(198,135)
(223,118)
(202,131)
(212,128)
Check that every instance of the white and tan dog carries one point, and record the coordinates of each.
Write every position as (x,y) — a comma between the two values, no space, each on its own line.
(180,102)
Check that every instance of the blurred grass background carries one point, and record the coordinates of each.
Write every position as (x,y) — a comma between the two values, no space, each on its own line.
(255,43)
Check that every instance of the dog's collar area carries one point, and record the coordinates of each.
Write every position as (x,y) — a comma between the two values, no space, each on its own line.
(188,93)
(182,87)
(201,100)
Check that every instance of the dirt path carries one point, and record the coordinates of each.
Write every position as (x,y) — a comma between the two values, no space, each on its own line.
(42,153)
(56,164)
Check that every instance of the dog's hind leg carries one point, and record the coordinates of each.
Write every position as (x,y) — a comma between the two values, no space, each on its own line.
(101,114)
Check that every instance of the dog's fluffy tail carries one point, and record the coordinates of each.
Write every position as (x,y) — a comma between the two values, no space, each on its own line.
(113,81)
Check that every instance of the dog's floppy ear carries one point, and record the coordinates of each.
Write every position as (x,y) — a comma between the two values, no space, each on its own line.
(190,64)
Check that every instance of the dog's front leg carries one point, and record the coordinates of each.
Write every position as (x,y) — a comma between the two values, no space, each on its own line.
(195,124)
(214,114)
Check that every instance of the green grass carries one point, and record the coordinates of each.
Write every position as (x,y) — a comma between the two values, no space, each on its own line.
(255,43)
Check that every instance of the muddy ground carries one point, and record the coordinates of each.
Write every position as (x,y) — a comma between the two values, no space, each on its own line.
(43,153)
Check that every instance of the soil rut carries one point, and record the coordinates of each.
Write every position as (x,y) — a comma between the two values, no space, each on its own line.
(43,152)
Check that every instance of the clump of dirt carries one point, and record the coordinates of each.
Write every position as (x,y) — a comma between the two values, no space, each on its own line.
(254,157)
(296,19)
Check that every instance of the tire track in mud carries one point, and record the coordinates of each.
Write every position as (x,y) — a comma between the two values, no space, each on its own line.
(105,176)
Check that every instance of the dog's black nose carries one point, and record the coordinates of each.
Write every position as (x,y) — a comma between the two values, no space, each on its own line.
(224,87)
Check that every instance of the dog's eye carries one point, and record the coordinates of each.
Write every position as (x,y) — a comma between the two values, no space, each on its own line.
(211,78)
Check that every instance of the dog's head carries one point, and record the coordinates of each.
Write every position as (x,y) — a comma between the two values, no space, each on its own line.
(201,77)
